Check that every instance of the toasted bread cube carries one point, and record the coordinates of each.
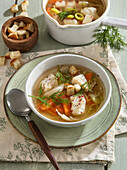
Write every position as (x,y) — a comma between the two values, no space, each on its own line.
(14,8)
(70,90)
(13,36)
(23,6)
(27,34)
(25,14)
(22,37)
(21,32)
(7,55)
(26,2)
(15,54)
(2,60)
(22,24)
(16,23)
(73,70)
(29,27)
(77,87)
(12,29)
(15,63)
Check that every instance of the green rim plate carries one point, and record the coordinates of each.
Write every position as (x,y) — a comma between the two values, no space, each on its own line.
(60,137)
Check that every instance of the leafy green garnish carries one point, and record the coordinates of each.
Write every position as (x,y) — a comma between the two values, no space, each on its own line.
(62,77)
(109,35)
(64,13)
(83,88)
(56,97)
(43,99)
(40,90)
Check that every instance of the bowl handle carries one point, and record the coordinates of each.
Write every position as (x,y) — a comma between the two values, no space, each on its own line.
(112,21)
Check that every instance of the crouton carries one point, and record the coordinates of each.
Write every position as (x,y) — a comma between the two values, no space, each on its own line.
(13,36)
(73,70)
(14,8)
(15,63)
(2,60)
(70,90)
(7,55)
(16,23)
(12,29)
(77,87)
(29,27)
(27,34)
(15,54)
(24,6)
(25,14)
(26,2)
(22,24)
(22,37)
(21,32)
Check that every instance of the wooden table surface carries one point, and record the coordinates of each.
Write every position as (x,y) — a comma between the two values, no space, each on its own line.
(45,42)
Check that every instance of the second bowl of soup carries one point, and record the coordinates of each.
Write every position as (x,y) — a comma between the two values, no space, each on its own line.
(68,90)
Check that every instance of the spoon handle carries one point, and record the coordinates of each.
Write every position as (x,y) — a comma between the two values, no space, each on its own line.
(42,142)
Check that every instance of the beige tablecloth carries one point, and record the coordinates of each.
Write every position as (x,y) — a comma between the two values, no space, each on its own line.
(14,147)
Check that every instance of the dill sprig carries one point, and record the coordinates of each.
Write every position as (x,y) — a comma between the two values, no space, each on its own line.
(40,90)
(56,97)
(109,35)
(43,99)
(62,77)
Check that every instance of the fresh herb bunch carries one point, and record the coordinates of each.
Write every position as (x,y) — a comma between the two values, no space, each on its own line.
(109,35)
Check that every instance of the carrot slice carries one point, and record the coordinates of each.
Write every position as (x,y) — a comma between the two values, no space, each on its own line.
(60,108)
(67,108)
(49,11)
(90,102)
(52,111)
(88,76)
(44,107)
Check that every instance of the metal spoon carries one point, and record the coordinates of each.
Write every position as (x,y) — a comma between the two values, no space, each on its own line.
(17,103)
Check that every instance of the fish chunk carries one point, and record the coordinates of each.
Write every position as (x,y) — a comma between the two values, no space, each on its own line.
(90,11)
(80,79)
(60,4)
(78,105)
(70,22)
(49,83)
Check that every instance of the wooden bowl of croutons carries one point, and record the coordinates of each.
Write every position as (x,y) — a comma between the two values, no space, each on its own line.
(20,33)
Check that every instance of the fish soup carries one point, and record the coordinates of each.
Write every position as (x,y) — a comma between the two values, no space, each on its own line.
(75,12)
(68,93)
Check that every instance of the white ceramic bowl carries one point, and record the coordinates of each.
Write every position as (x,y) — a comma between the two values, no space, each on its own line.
(62,59)
(79,34)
